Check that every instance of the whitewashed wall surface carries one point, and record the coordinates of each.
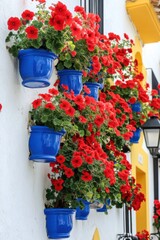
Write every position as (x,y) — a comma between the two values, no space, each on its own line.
(22,182)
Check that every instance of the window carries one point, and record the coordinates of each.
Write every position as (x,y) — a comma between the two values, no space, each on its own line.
(94,6)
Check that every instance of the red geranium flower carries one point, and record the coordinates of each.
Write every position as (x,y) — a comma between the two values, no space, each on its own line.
(60,159)
(69,172)
(79,99)
(65,87)
(107,190)
(53,91)
(41,1)
(46,97)
(86,176)
(82,119)
(99,120)
(60,8)
(68,17)
(0,106)
(76,161)
(14,23)
(70,111)
(32,32)
(37,103)
(76,30)
(89,159)
(58,22)
(50,106)
(132,100)
(79,9)
(73,53)
(27,15)
(65,105)
(57,183)
(86,89)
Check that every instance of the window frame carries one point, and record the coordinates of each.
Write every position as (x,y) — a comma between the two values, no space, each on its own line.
(96,7)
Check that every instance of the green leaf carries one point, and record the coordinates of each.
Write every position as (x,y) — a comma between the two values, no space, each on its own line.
(88,133)
(68,64)
(67,56)
(77,65)
(44,118)
(14,51)
(81,133)
(60,66)
(37,24)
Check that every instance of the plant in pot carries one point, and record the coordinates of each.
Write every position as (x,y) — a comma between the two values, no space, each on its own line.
(51,117)
(80,171)
(126,190)
(121,64)
(143,102)
(130,192)
(95,76)
(77,178)
(120,117)
(113,59)
(36,38)
(76,56)
(138,100)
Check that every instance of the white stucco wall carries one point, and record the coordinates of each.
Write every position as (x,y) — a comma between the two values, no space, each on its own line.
(151,56)
(116,18)
(22,182)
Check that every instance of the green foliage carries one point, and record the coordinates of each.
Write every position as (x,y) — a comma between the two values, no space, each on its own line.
(48,38)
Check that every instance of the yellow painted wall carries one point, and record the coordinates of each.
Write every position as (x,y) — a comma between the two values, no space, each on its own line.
(96,235)
(139,157)
(139,160)
(145,19)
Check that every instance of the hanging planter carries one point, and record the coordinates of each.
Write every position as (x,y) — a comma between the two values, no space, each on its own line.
(136,136)
(94,89)
(82,214)
(58,222)
(136,107)
(44,144)
(72,79)
(36,67)
(104,208)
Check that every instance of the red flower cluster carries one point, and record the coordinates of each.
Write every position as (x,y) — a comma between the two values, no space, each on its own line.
(120,115)
(60,16)
(156,215)
(143,235)
(86,166)
(47,27)
(131,191)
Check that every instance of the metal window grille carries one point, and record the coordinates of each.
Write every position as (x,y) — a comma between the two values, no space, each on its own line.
(96,7)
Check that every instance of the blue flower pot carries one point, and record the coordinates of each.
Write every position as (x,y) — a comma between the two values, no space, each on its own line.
(136,107)
(44,144)
(82,214)
(104,208)
(58,222)
(101,86)
(94,88)
(72,79)
(136,136)
(36,67)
